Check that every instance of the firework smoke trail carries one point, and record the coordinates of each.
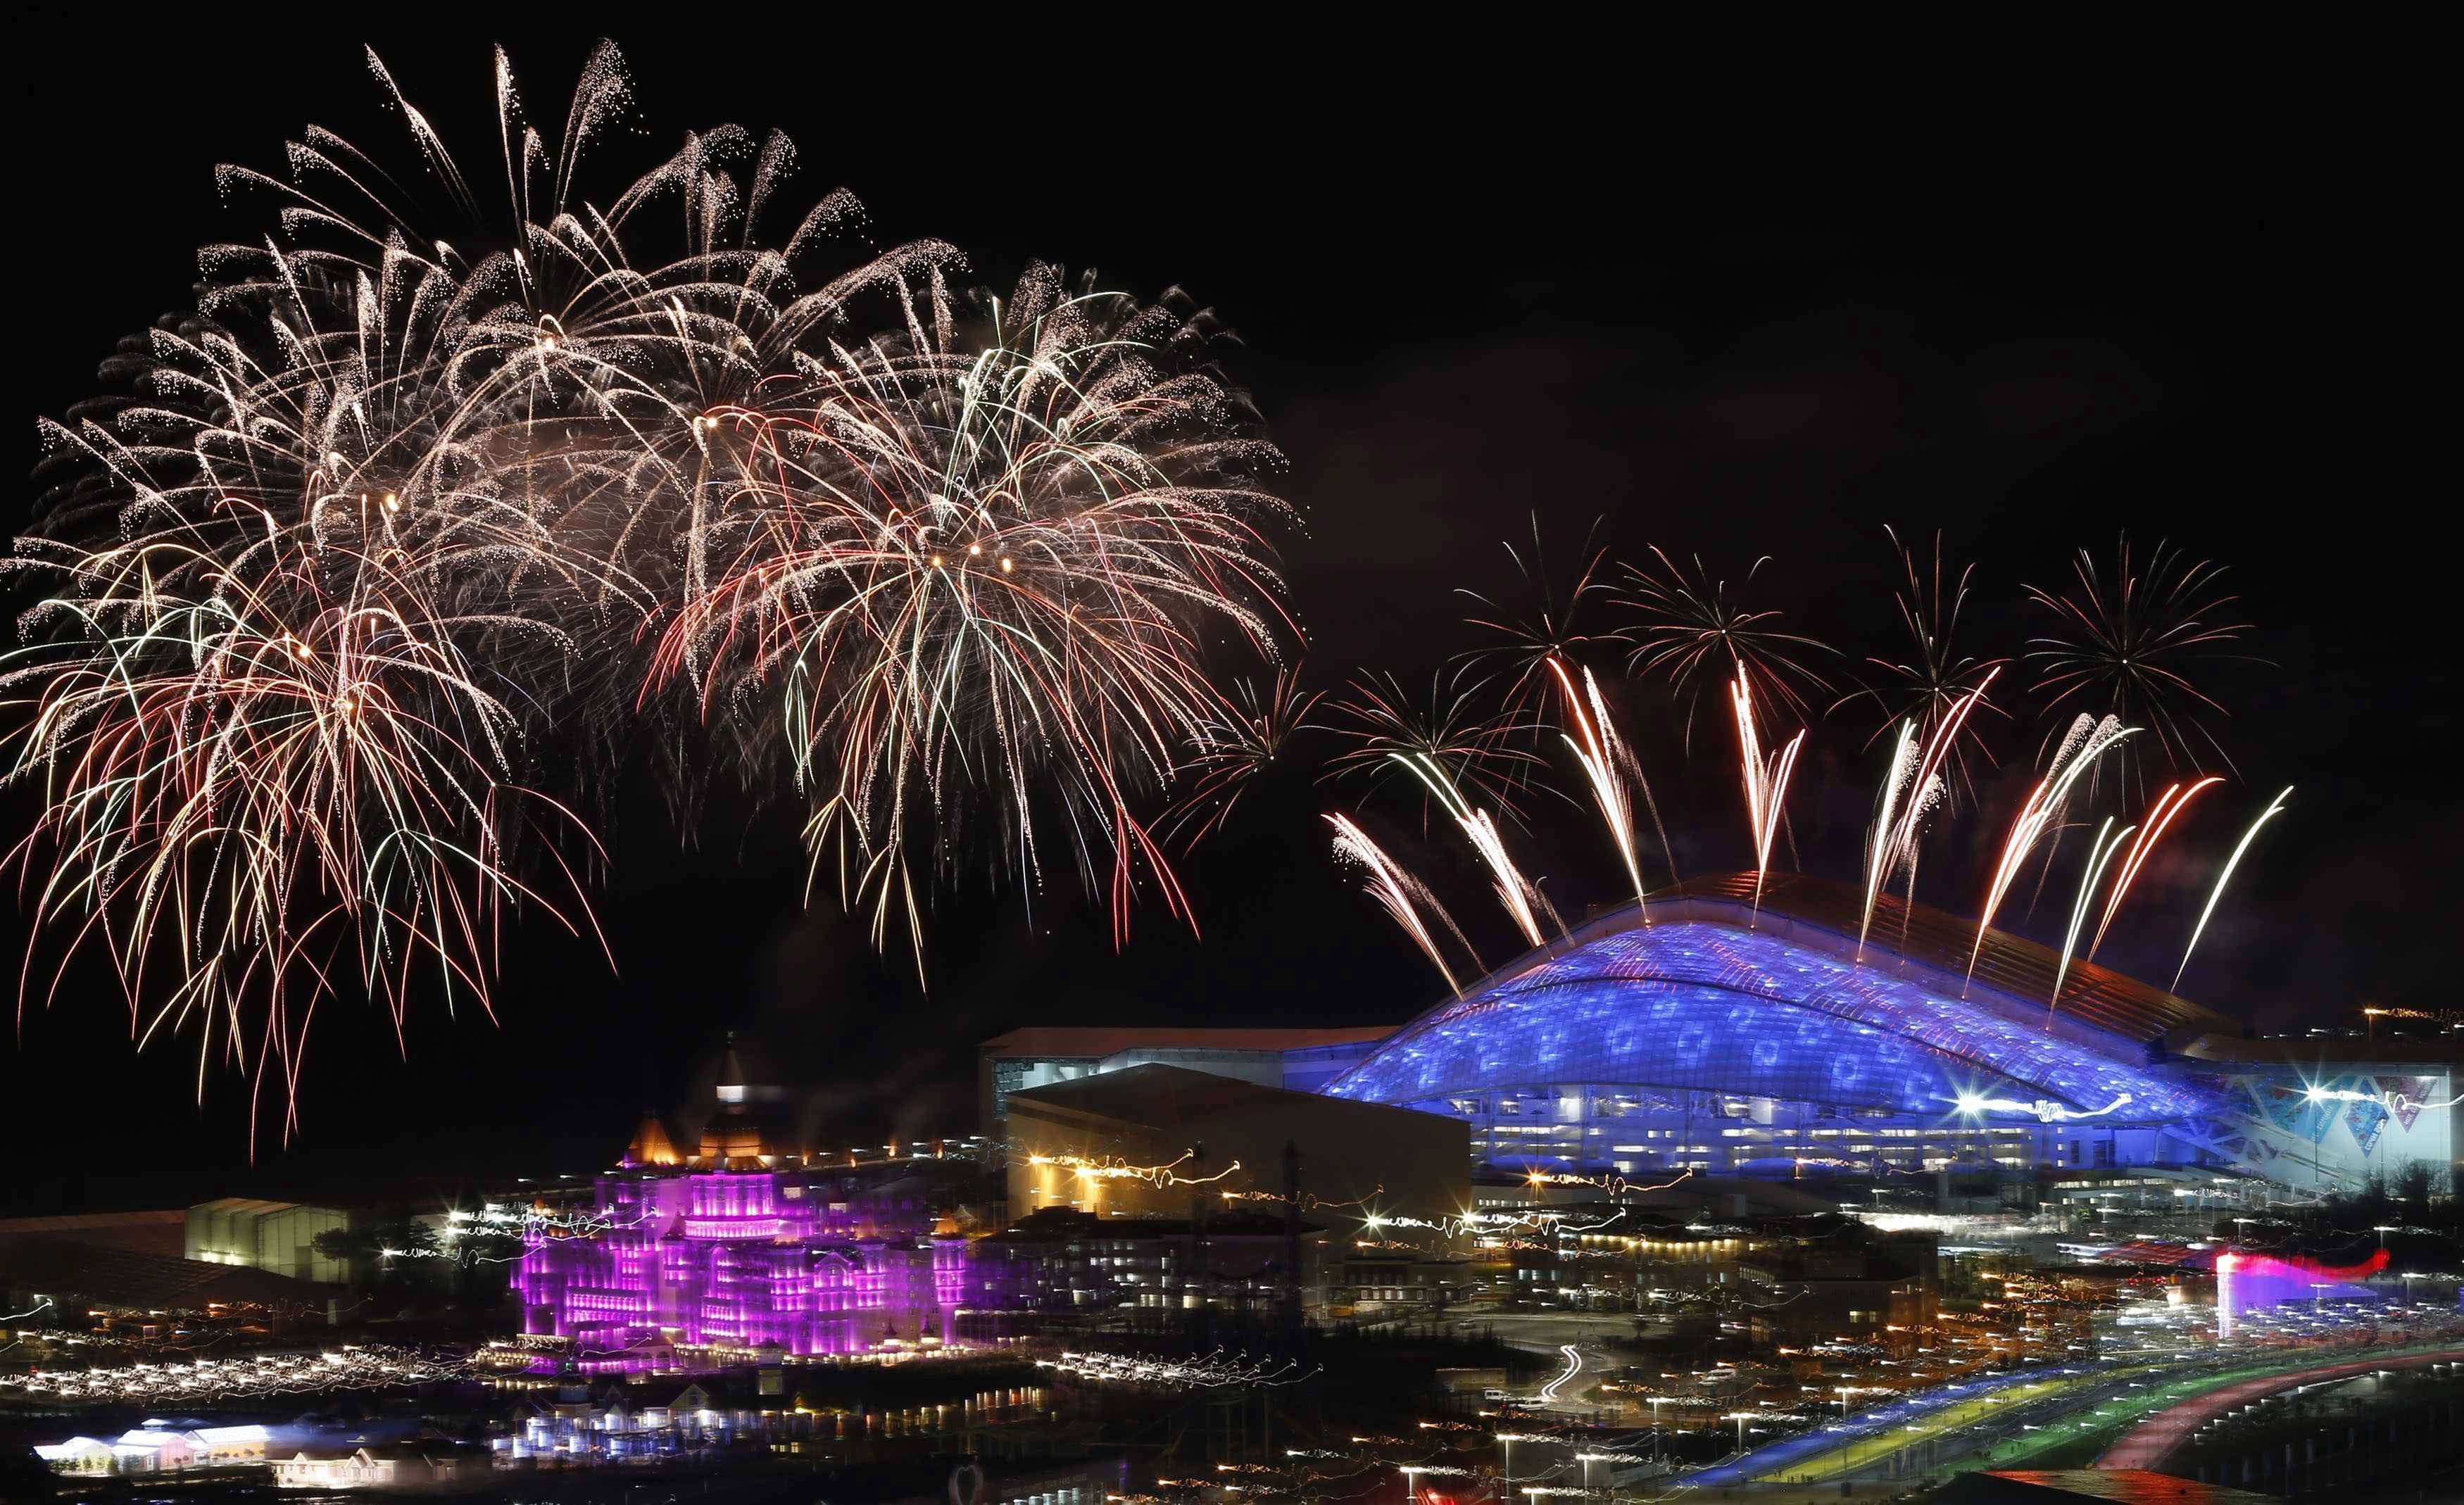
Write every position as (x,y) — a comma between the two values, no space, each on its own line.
(2168,806)
(2042,811)
(1400,893)
(1766,780)
(1881,846)
(2099,853)
(1606,765)
(2275,807)
(1523,902)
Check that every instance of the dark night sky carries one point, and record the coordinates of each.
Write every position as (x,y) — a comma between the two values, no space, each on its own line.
(1472,289)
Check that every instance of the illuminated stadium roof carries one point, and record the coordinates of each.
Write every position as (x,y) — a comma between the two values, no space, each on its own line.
(1711,995)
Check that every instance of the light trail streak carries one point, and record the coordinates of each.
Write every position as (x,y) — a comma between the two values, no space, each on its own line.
(2086,742)
(1766,779)
(1524,904)
(1607,765)
(2169,805)
(1112,1168)
(1573,1367)
(2275,808)
(1401,894)
(2099,855)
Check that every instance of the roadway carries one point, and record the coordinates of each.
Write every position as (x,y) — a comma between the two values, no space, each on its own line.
(2155,1439)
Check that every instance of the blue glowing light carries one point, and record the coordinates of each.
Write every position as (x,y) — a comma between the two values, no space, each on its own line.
(1697,1005)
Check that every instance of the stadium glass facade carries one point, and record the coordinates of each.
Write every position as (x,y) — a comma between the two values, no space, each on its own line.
(1730,1037)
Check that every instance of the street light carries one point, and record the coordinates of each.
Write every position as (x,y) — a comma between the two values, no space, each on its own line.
(1741,1418)
(1506,1441)
(2383,1230)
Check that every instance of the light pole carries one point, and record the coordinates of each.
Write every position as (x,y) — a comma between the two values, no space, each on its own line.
(2318,1298)
(2383,1230)
(1741,1418)
(1506,1441)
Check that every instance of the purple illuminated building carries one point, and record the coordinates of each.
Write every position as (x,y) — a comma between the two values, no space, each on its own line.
(734,1252)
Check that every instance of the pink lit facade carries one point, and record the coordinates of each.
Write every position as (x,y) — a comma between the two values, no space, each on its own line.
(732,1262)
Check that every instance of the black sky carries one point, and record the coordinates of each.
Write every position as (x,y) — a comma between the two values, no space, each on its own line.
(1731,317)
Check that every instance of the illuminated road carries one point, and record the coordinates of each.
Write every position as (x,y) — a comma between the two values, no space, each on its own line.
(1871,1436)
(2147,1445)
(2001,1420)
(1573,1367)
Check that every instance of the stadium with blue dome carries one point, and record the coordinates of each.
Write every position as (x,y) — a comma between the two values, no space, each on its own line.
(1726,1032)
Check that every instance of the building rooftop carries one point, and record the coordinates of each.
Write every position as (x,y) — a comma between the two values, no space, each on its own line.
(2010,964)
(1062,1224)
(125,1277)
(1101,1040)
(1161,1097)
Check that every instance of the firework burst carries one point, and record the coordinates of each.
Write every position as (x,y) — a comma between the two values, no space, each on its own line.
(1388,731)
(1542,631)
(388,508)
(1692,635)
(272,797)
(1236,747)
(1928,684)
(2126,640)
(975,565)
